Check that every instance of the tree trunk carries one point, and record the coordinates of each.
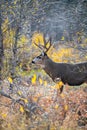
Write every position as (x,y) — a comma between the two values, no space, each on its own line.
(13,60)
(1,48)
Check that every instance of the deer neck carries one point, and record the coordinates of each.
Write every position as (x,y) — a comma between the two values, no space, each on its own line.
(49,66)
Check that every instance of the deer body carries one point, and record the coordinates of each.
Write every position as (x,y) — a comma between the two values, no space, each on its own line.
(68,73)
(71,74)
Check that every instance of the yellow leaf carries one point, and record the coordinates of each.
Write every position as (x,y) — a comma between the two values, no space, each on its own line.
(6,21)
(4,115)
(60,84)
(62,38)
(12,13)
(53,87)
(66,107)
(35,99)
(25,100)
(45,83)
(33,80)
(56,106)
(15,2)
(37,38)
(19,93)
(21,109)
(40,81)
(9,125)
(85,40)
(48,44)
(53,128)
(62,95)
(57,86)
(24,39)
(10,80)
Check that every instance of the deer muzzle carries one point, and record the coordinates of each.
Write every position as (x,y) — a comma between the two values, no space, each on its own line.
(33,62)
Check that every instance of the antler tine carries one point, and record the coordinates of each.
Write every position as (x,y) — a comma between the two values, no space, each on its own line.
(49,41)
(38,45)
(44,40)
(42,47)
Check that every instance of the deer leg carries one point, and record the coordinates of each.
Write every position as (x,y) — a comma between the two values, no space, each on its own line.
(59,92)
(61,89)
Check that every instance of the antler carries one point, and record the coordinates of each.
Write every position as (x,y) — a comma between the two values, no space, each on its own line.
(38,45)
(42,47)
(47,48)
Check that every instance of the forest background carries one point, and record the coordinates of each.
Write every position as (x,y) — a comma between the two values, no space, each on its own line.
(25,89)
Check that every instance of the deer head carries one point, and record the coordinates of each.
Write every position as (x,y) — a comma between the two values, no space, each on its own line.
(42,58)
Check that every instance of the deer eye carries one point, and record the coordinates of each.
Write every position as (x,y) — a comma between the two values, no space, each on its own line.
(39,57)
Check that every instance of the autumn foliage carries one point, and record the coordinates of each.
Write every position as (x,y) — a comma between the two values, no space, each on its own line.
(29,99)
(40,110)
(28,96)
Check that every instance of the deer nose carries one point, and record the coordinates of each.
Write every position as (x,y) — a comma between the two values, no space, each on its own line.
(33,62)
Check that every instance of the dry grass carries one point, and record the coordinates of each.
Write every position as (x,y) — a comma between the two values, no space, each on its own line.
(68,112)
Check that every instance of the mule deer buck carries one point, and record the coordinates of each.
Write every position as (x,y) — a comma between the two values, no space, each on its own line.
(71,74)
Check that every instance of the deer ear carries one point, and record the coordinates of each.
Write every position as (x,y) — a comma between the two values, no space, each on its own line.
(43,54)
